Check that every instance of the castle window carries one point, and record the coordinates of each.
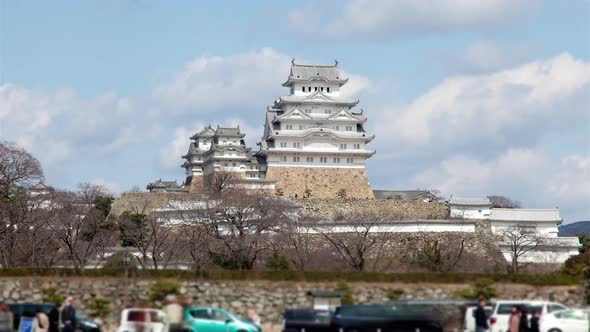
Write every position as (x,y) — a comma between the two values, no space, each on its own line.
(349,160)
(233,164)
(300,127)
(322,89)
(323,160)
(296,145)
(225,164)
(309,89)
(283,144)
(357,146)
(309,159)
(328,111)
(296,159)
(303,89)
(308,111)
(343,147)
(337,127)
(328,89)
(336,160)
(289,127)
(316,88)
(348,128)
(284,158)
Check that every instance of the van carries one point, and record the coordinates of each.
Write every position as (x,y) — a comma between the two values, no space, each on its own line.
(502,310)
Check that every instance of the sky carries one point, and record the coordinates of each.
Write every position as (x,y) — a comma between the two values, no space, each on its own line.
(471,98)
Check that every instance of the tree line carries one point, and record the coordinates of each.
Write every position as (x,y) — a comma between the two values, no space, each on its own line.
(229,228)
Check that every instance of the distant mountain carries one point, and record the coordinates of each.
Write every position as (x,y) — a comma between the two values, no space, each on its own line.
(575,228)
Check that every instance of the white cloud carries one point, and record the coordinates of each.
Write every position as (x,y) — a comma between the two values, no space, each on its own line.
(501,109)
(389,17)
(57,125)
(170,154)
(485,56)
(528,175)
(112,187)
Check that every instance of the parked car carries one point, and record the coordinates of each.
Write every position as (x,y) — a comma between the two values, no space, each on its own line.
(211,319)
(565,321)
(469,323)
(139,319)
(502,310)
(308,320)
(28,310)
(377,317)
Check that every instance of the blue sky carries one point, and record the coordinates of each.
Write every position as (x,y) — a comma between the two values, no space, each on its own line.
(471,98)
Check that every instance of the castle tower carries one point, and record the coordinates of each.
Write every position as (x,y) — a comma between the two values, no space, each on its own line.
(314,144)
(220,149)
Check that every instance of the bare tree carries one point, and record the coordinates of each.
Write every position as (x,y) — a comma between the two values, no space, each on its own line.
(435,251)
(301,245)
(237,223)
(81,227)
(520,241)
(503,202)
(18,168)
(151,235)
(355,238)
(218,182)
(193,245)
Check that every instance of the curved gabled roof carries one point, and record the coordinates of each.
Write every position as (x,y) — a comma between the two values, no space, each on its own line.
(307,73)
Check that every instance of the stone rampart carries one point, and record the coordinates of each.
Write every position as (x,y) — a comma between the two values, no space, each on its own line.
(270,299)
(318,182)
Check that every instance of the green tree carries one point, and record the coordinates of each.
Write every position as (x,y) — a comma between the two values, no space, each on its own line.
(100,307)
(161,289)
(394,294)
(347,297)
(277,262)
(50,295)
(483,288)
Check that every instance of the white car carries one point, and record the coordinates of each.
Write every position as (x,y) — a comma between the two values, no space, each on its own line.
(469,322)
(502,310)
(143,320)
(565,321)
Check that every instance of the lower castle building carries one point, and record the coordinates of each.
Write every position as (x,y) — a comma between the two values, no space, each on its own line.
(223,150)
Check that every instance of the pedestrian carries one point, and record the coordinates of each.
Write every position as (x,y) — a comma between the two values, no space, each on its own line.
(524,321)
(41,323)
(55,321)
(174,312)
(535,322)
(6,318)
(481,320)
(514,321)
(253,317)
(68,316)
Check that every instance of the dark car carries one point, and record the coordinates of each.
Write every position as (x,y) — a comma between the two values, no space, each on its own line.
(28,310)
(378,317)
(308,320)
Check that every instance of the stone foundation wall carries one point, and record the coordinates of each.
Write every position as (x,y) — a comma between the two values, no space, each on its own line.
(322,182)
(270,299)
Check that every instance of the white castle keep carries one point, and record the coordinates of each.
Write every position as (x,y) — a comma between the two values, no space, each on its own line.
(314,144)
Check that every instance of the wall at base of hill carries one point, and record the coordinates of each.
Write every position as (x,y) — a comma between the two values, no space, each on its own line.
(270,299)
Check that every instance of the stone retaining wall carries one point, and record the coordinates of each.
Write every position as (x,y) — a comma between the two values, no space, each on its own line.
(270,299)
(322,182)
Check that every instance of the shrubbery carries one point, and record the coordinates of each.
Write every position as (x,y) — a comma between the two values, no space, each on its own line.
(549,279)
(482,289)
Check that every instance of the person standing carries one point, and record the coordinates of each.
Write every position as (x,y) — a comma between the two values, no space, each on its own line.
(524,321)
(253,317)
(68,316)
(6,318)
(514,321)
(174,313)
(55,322)
(41,323)
(481,319)
(535,322)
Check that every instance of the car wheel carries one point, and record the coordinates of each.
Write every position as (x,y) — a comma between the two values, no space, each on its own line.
(555,330)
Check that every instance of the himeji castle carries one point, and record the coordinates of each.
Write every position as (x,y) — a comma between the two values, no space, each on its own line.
(314,144)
